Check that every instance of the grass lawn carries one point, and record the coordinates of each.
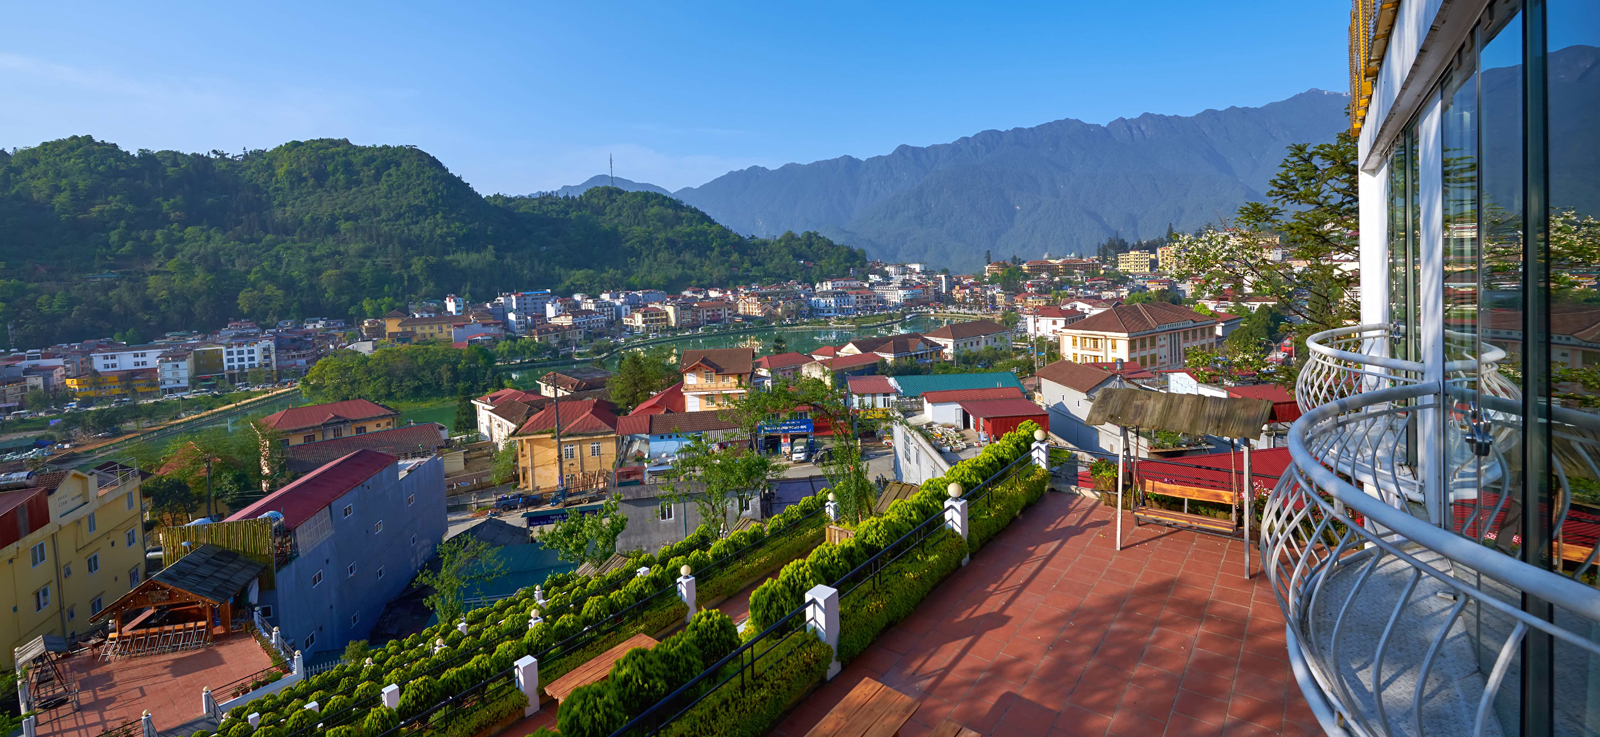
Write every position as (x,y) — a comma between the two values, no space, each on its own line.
(442,411)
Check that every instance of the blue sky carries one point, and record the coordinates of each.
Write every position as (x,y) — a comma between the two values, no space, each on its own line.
(520,97)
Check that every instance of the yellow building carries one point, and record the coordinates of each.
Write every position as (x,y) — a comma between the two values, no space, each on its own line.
(315,422)
(72,543)
(131,383)
(588,447)
(1134,262)
(1156,335)
(647,320)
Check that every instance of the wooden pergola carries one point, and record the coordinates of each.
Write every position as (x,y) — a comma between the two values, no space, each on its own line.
(183,605)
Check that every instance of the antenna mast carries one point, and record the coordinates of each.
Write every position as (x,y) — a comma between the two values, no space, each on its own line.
(611,165)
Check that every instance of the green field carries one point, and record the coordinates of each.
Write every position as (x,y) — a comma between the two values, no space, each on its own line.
(442,411)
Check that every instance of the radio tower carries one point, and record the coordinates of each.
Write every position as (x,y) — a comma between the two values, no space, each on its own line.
(612,166)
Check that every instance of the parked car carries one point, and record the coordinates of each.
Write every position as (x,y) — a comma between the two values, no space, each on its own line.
(513,502)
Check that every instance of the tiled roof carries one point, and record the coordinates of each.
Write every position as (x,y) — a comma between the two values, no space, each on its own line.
(721,360)
(902,343)
(212,573)
(1057,312)
(317,415)
(840,363)
(582,378)
(685,422)
(782,360)
(424,437)
(871,385)
(972,395)
(1002,408)
(915,386)
(1284,406)
(964,330)
(512,411)
(666,401)
(1129,370)
(1140,318)
(307,495)
(1077,376)
(583,417)
(826,351)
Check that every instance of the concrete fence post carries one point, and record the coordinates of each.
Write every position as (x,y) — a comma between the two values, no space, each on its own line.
(277,639)
(208,703)
(822,617)
(254,719)
(686,592)
(30,727)
(391,696)
(148,724)
(533,618)
(538,595)
(299,664)
(832,507)
(526,670)
(955,516)
(314,706)
(1041,450)
(462,626)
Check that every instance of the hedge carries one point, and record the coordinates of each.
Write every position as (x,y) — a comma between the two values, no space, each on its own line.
(792,670)
(900,588)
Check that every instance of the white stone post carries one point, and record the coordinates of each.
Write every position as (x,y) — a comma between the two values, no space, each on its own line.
(686,592)
(822,617)
(526,670)
(277,639)
(148,724)
(955,515)
(462,626)
(254,719)
(208,703)
(30,727)
(1122,452)
(538,595)
(314,706)
(533,618)
(642,572)
(832,507)
(1041,450)
(391,696)
(438,645)
(299,664)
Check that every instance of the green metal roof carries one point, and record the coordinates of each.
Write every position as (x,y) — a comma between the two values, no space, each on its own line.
(914,386)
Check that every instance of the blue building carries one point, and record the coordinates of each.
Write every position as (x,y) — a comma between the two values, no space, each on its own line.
(353,534)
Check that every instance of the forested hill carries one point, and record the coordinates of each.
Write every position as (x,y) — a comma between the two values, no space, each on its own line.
(96,241)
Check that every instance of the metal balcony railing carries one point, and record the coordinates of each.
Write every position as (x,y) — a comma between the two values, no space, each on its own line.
(1405,617)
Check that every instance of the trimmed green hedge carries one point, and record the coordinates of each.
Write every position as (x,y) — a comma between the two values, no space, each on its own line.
(791,671)
(901,587)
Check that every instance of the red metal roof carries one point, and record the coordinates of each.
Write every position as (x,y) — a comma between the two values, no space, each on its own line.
(586,417)
(666,401)
(1284,407)
(871,385)
(1002,408)
(310,493)
(973,395)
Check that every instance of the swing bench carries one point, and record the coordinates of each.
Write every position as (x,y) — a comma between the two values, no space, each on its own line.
(1145,511)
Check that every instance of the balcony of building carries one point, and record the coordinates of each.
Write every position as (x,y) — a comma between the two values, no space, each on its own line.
(1395,547)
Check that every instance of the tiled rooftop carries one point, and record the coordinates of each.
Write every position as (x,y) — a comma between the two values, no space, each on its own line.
(168,686)
(1051,631)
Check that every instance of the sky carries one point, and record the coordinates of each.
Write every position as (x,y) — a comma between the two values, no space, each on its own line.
(524,97)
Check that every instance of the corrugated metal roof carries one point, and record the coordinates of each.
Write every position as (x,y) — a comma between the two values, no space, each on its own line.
(1002,408)
(870,385)
(211,573)
(309,494)
(915,386)
(973,395)
(1191,414)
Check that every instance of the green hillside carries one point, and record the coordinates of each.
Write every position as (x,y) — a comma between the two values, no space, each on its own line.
(96,241)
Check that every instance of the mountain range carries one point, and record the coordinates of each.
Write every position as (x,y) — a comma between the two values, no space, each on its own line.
(1060,187)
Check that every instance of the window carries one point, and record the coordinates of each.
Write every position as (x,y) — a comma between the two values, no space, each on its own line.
(41,599)
(311,639)
(92,525)
(411,499)
(380,573)
(37,554)
(413,541)
(266,610)
(361,429)
(348,510)
(133,577)
(66,571)
(316,578)
(72,613)
(665,512)
(133,537)
(95,606)
(309,439)
(708,377)
(569,451)
(377,528)
(594,450)
(352,571)
(338,432)
(127,501)
(355,618)
(94,563)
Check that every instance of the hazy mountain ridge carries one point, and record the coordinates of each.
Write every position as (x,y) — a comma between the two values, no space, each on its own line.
(1058,187)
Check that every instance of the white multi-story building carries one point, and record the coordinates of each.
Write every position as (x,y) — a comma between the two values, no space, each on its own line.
(832,303)
(1433,543)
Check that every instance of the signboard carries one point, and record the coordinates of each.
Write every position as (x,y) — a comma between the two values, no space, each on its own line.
(873,412)
(552,516)
(787,427)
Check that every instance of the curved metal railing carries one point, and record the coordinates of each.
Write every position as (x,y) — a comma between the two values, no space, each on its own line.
(1346,361)
(1395,624)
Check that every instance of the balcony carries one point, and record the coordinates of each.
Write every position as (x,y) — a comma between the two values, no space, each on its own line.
(1404,604)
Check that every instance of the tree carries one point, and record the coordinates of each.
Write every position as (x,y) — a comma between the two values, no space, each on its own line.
(845,468)
(171,497)
(258,376)
(1160,295)
(717,481)
(463,561)
(590,538)
(356,651)
(639,376)
(8,690)
(1008,278)
(36,400)
(505,464)
(466,415)
(1010,318)
(779,345)
(1313,216)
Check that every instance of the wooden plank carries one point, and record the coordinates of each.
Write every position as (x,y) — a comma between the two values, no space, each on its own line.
(1163,516)
(834,722)
(871,709)
(888,712)
(1197,493)
(952,728)
(597,668)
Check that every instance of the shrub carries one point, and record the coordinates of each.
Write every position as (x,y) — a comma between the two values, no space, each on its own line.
(714,634)
(343,731)
(379,719)
(901,587)
(368,690)
(589,711)
(791,671)
(301,719)
(418,696)
(468,723)
(638,680)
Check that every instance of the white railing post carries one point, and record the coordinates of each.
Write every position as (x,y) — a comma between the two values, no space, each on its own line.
(822,618)
(30,726)
(277,639)
(391,696)
(832,507)
(1041,450)
(299,664)
(1249,493)
(534,619)
(686,592)
(314,706)
(526,670)
(955,515)
(462,626)
(208,703)
(148,725)
(254,718)
(1122,452)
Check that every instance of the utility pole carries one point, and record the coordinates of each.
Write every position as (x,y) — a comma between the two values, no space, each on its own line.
(211,506)
(611,166)
(561,466)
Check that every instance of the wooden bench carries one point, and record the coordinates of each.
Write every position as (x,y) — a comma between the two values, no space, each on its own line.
(871,709)
(597,669)
(1150,513)
(950,728)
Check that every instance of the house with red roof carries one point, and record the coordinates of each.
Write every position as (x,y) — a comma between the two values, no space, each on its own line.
(1155,334)
(315,422)
(572,445)
(351,535)
(781,365)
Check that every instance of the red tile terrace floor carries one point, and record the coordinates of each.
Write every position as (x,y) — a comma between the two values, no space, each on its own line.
(169,686)
(1051,631)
